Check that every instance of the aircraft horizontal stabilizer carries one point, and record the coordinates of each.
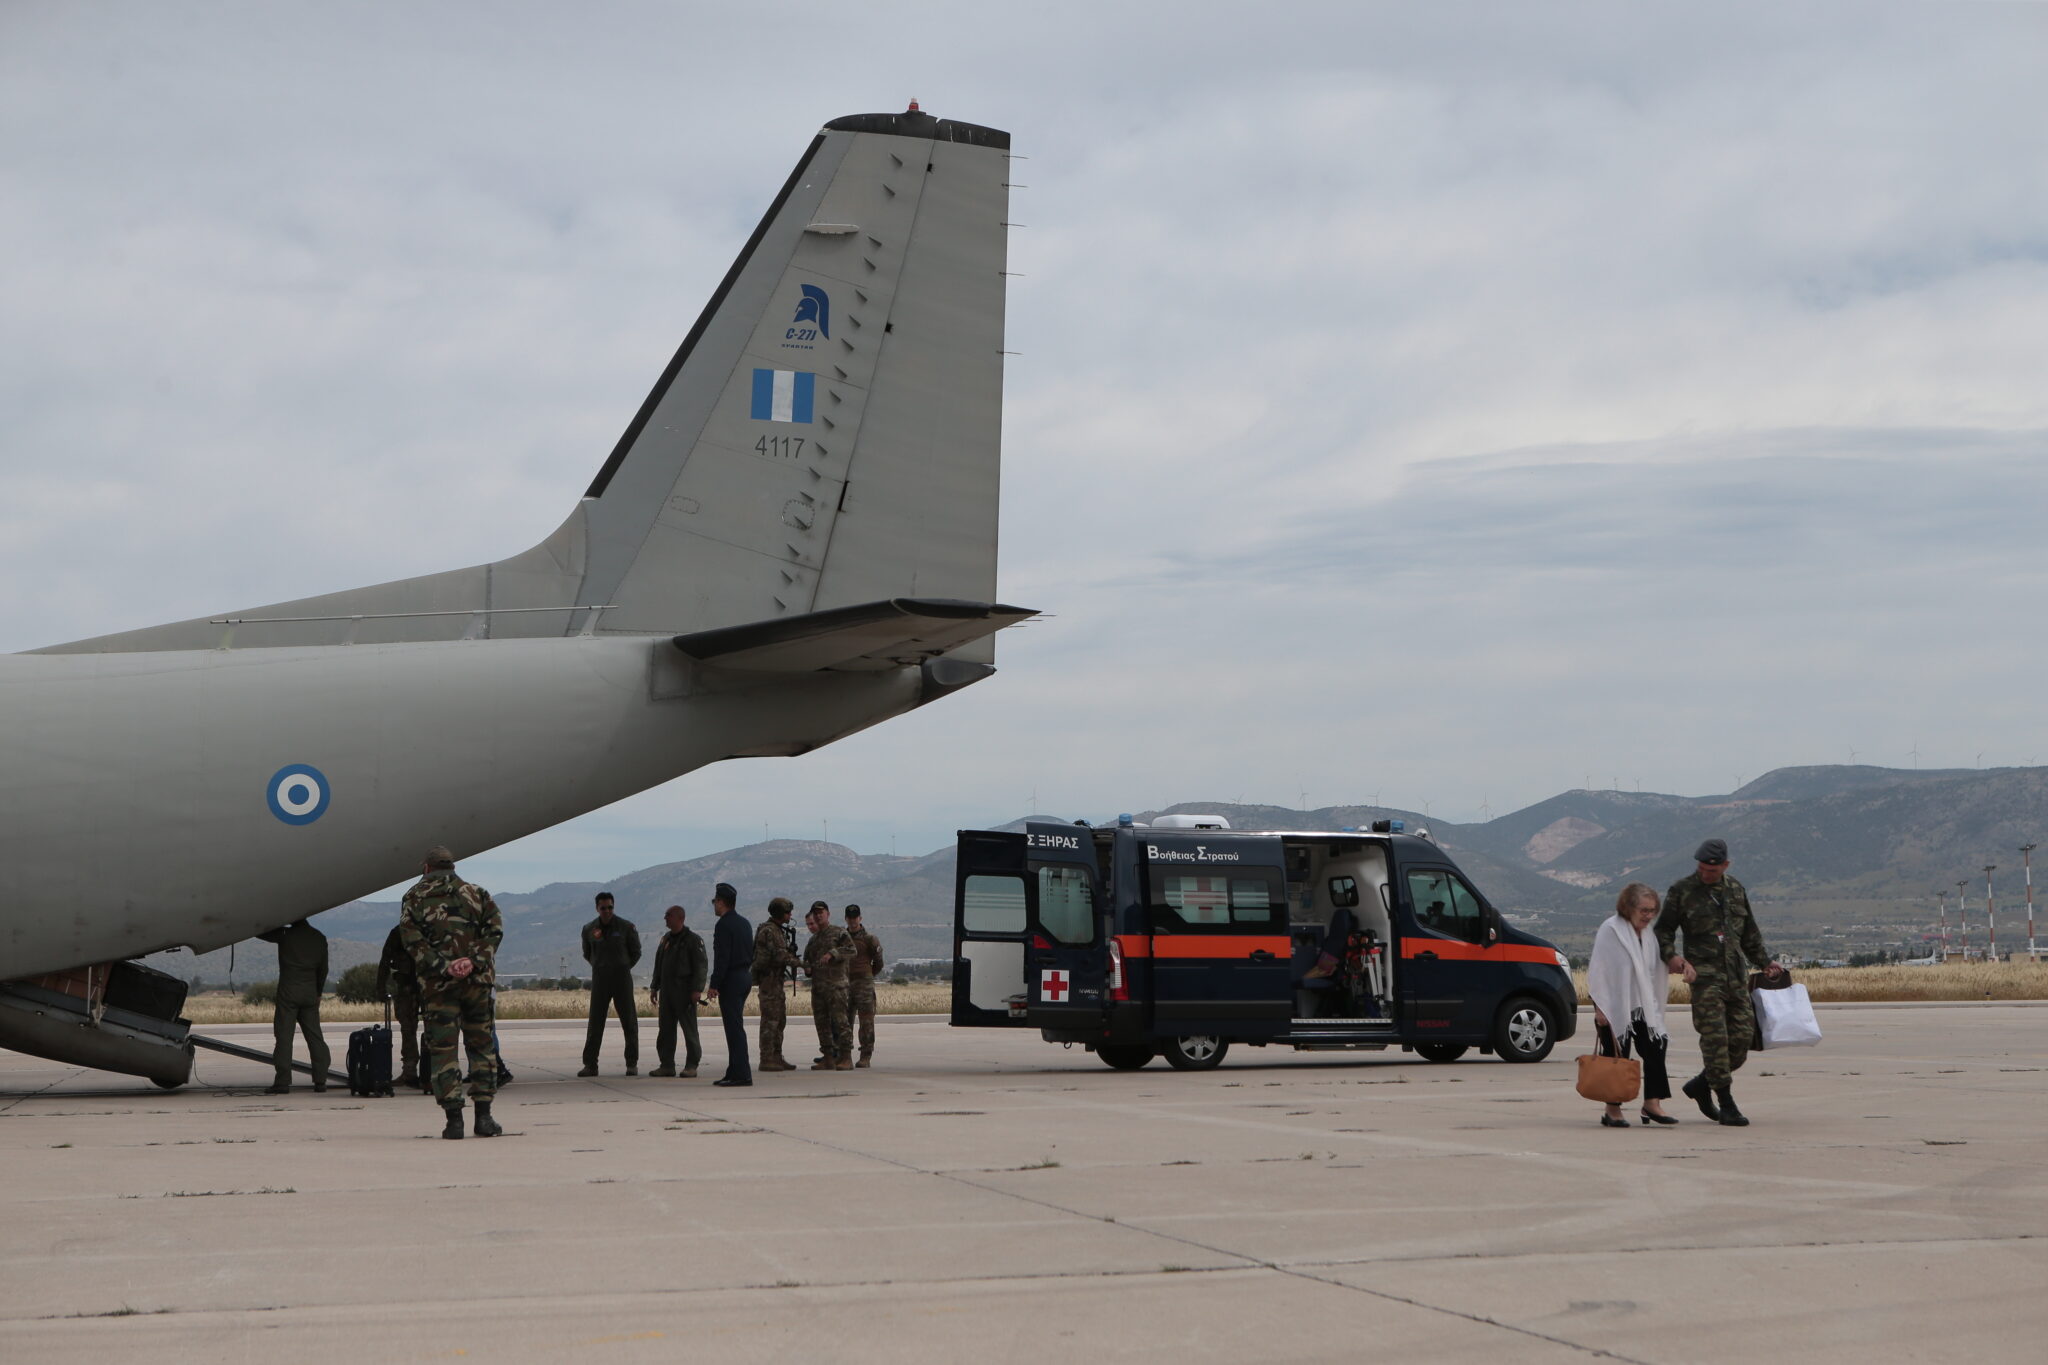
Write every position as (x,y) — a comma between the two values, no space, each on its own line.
(870,637)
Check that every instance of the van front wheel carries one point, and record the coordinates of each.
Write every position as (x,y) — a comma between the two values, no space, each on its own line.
(1125,1056)
(1522,1031)
(1196,1052)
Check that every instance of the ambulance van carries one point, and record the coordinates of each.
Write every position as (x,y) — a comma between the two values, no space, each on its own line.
(1184,937)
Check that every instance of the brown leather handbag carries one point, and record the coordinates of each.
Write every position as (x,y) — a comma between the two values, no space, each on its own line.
(1610,1080)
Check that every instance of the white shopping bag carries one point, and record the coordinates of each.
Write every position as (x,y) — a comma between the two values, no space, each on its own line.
(1786,1017)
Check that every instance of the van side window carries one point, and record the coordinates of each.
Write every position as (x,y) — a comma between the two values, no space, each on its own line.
(1192,903)
(1445,905)
(992,905)
(1066,904)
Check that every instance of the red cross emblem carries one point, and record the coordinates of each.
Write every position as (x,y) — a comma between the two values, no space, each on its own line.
(1052,984)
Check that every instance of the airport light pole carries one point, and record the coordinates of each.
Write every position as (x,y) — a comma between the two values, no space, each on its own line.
(2027,856)
(1990,914)
(1963,913)
(1941,919)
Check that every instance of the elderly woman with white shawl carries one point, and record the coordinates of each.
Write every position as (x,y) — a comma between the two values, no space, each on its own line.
(1626,981)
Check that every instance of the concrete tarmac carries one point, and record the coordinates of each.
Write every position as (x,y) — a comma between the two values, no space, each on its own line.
(984,1196)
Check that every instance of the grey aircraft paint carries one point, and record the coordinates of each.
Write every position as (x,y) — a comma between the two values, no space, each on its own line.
(795,539)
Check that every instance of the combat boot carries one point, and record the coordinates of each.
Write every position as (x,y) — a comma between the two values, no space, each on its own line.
(821,1065)
(486,1126)
(866,1060)
(665,1069)
(408,1078)
(1696,1090)
(454,1126)
(1730,1115)
(843,1064)
(589,1070)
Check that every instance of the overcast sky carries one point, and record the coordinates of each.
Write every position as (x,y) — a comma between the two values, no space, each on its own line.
(1449,402)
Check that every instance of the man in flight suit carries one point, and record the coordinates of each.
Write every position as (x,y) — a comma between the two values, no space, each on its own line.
(1712,910)
(772,961)
(452,929)
(301,977)
(825,958)
(860,981)
(611,946)
(397,983)
(676,989)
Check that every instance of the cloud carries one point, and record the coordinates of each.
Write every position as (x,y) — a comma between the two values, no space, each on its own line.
(1445,401)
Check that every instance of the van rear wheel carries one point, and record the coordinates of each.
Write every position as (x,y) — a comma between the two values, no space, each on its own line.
(1125,1056)
(1523,1032)
(1440,1052)
(1196,1052)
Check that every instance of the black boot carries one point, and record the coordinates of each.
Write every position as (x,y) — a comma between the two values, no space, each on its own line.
(486,1126)
(454,1128)
(1696,1090)
(1730,1115)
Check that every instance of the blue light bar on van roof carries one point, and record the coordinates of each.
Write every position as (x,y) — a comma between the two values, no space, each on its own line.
(1389,826)
(1125,821)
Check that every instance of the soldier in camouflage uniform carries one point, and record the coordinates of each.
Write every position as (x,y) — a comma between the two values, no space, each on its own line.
(860,981)
(772,960)
(1712,910)
(452,929)
(825,959)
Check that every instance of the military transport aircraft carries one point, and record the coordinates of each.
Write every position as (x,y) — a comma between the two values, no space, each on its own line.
(794,539)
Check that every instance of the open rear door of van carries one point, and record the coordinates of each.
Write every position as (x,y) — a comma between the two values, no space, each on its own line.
(1066,968)
(991,928)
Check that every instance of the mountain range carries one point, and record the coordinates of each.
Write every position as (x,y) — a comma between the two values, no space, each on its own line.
(1837,859)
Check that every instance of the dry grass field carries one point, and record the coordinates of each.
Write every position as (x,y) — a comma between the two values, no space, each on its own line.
(220,1007)
(2016,980)
(1952,981)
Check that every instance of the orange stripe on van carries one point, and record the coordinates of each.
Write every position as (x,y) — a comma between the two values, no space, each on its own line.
(1218,945)
(1134,945)
(1450,950)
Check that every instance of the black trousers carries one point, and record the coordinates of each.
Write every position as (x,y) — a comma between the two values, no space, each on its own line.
(732,1012)
(1648,1048)
(608,993)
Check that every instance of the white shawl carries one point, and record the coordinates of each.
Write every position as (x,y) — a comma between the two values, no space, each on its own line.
(1625,977)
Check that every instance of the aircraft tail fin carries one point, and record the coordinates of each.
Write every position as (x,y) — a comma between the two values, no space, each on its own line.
(828,434)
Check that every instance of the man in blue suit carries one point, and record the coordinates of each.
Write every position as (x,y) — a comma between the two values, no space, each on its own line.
(732,961)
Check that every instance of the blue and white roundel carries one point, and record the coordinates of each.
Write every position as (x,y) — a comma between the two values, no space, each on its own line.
(298,794)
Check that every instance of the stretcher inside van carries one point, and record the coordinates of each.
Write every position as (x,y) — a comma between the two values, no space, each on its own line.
(1182,939)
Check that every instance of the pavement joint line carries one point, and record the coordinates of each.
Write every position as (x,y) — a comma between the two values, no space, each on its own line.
(765,1286)
(1879,1243)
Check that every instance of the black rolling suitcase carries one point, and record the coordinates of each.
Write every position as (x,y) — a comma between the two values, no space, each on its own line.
(369,1058)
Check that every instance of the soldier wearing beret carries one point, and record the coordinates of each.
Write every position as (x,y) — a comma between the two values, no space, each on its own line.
(860,982)
(452,928)
(825,959)
(1711,910)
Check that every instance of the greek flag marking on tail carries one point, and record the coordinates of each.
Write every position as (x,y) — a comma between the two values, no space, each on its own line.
(784,395)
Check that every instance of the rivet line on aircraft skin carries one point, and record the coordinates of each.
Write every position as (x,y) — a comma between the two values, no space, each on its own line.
(391,615)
